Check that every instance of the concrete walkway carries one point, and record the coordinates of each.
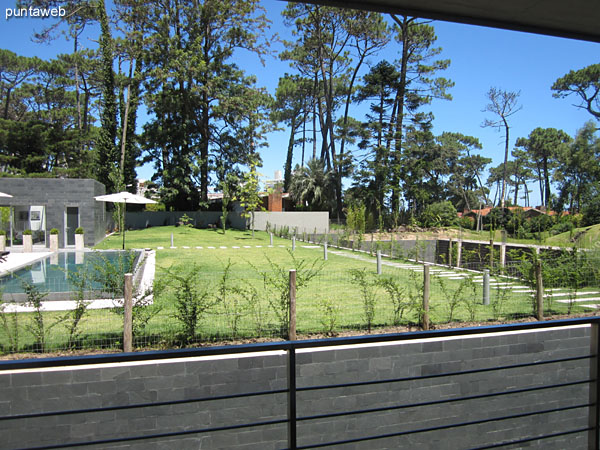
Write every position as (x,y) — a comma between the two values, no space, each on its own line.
(16,261)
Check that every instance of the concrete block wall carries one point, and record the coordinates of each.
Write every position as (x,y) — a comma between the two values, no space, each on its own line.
(304,221)
(144,219)
(56,194)
(419,358)
(125,384)
(29,391)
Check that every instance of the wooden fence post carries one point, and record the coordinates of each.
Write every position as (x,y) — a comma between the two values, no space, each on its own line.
(128,313)
(426,287)
(417,249)
(486,287)
(503,249)
(292,321)
(539,290)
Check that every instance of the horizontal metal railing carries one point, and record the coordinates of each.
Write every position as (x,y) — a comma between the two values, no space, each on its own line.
(292,391)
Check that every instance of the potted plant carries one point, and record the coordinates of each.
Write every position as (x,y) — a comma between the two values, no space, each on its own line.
(27,241)
(54,240)
(2,240)
(79,235)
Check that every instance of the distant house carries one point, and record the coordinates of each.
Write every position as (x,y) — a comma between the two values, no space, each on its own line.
(40,204)
(274,202)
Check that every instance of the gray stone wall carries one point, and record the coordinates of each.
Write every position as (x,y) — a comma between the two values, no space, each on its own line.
(56,194)
(304,221)
(144,219)
(30,391)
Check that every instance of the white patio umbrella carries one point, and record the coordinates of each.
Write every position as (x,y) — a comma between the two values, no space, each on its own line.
(124,197)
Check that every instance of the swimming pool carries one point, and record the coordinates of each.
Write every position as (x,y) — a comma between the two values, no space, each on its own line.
(51,274)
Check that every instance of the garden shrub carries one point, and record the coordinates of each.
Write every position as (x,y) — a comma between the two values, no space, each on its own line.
(37,326)
(329,317)
(367,286)
(440,214)
(397,293)
(355,218)
(467,222)
(276,280)
(192,300)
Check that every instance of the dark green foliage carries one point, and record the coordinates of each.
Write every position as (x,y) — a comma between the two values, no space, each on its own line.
(207,116)
(591,212)
(498,218)
(584,83)
(355,218)
(441,214)
(312,186)
(106,149)
(542,147)
(579,173)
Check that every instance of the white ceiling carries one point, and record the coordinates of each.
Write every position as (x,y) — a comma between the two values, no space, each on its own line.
(576,19)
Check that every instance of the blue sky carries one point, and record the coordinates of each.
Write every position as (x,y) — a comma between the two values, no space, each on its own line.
(481,58)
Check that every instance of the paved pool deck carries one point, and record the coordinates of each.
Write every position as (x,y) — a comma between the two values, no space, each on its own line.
(17,260)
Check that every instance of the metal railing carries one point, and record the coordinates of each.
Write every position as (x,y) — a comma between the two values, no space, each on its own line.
(292,391)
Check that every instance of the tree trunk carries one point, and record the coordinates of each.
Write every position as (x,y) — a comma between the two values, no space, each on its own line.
(504,169)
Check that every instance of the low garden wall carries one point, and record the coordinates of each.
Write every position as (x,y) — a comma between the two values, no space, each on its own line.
(301,221)
(454,391)
(201,219)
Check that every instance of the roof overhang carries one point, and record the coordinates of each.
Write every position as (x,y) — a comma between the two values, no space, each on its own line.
(575,19)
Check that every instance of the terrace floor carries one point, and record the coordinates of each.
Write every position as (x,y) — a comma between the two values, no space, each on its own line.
(16,260)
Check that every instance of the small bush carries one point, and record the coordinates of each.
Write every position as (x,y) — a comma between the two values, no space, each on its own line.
(441,214)
(79,230)
(54,231)
(467,223)
(367,286)
(27,233)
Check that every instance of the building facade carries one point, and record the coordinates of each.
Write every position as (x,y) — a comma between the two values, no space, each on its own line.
(40,204)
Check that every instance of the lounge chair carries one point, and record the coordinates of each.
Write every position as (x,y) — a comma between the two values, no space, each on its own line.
(3,256)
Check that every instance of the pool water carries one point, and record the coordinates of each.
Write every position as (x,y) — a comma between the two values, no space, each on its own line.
(51,274)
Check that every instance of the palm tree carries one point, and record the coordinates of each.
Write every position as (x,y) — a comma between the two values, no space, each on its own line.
(313,187)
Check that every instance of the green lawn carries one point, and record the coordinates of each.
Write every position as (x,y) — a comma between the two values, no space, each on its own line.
(241,305)
(585,237)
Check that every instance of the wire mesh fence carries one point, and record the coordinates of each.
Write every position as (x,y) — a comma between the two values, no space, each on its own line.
(192,306)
